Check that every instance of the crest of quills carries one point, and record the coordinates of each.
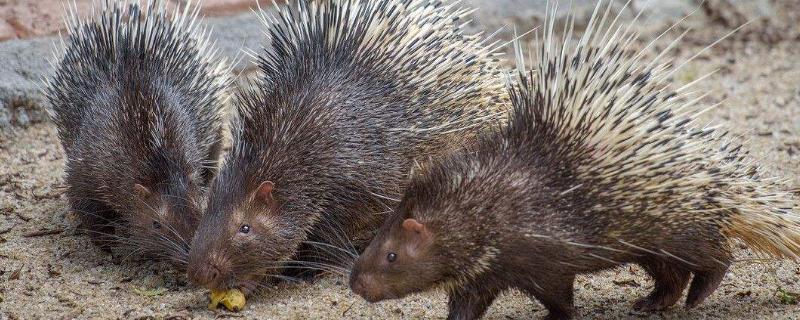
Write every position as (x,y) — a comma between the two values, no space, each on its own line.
(601,164)
(137,97)
(350,95)
(600,161)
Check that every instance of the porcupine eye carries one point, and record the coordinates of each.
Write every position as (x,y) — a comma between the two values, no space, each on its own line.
(156,225)
(244,228)
(392,257)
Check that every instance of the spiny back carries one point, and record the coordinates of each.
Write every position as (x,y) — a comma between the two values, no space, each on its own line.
(143,41)
(630,141)
(351,92)
(403,67)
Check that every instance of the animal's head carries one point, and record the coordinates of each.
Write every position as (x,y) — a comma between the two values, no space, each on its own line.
(403,258)
(441,232)
(163,219)
(242,237)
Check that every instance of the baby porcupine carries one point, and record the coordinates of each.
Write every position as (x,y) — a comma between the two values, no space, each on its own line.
(602,163)
(136,98)
(351,93)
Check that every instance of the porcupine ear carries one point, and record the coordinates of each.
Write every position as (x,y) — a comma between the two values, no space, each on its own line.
(420,234)
(264,192)
(413,225)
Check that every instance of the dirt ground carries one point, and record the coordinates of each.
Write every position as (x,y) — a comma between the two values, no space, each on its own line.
(48,270)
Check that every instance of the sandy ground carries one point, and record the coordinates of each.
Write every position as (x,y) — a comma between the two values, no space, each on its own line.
(48,270)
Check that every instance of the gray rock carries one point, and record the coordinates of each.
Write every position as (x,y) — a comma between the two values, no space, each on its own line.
(236,35)
(24,65)
(25,62)
(524,15)
(506,15)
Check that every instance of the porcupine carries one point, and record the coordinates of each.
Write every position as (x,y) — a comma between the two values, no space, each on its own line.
(351,93)
(137,98)
(601,164)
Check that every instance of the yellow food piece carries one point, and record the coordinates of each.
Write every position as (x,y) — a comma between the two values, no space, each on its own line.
(215,296)
(232,299)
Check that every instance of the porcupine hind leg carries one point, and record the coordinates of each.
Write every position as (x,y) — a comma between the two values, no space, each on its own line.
(707,279)
(470,301)
(556,294)
(670,281)
(98,221)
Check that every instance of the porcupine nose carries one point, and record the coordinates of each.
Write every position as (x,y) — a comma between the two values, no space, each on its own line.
(360,284)
(357,286)
(206,275)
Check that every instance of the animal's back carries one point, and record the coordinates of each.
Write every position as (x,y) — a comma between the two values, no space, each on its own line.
(136,48)
(386,83)
(403,71)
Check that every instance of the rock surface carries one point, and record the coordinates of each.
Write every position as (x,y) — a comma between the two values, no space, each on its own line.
(25,62)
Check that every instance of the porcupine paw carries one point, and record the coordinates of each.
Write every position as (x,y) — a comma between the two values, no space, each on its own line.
(703,285)
(653,302)
(658,300)
(558,316)
(250,287)
(670,282)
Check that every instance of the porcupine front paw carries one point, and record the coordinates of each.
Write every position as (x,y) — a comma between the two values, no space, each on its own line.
(653,303)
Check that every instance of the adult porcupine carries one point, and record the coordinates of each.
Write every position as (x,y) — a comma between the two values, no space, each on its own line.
(351,93)
(601,164)
(137,99)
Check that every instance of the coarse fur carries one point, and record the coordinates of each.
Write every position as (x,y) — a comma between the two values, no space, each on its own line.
(137,98)
(351,93)
(602,163)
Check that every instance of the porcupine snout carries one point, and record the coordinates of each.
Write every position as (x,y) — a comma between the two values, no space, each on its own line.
(360,284)
(205,274)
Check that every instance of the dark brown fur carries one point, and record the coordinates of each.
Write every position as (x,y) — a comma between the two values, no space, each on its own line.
(137,110)
(323,142)
(495,219)
(602,164)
